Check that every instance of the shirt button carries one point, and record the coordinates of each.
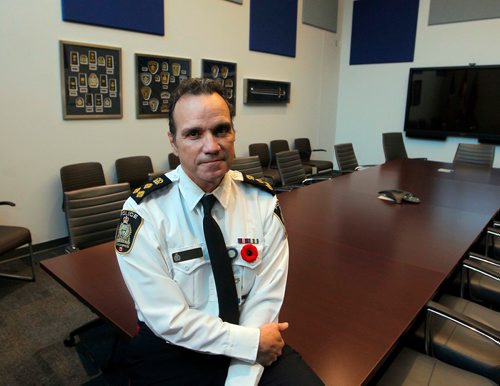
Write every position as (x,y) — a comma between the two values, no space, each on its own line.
(186,268)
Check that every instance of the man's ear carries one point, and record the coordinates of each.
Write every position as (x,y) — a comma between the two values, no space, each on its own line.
(171,138)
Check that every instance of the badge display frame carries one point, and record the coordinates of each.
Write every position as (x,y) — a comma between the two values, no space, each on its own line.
(156,78)
(90,81)
(213,69)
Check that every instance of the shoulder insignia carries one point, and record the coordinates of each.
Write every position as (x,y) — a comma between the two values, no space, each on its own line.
(150,187)
(130,222)
(258,182)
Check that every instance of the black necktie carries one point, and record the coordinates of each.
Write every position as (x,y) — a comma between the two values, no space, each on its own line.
(221,264)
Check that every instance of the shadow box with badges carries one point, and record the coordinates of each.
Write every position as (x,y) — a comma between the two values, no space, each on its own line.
(223,73)
(91,81)
(156,78)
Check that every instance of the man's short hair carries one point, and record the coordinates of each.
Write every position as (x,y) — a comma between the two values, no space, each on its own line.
(195,86)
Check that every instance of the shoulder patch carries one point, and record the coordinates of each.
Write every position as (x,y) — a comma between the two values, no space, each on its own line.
(130,222)
(139,193)
(258,182)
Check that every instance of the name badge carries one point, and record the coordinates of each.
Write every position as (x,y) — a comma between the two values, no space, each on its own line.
(191,254)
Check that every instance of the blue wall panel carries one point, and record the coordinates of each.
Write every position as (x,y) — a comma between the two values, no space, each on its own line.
(273,26)
(135,15)
(383,31)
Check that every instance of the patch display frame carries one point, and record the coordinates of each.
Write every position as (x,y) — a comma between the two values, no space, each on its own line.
(225,72)
(90,73)
(156,78)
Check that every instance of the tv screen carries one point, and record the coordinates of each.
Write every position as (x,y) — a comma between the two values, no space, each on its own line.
(454,101)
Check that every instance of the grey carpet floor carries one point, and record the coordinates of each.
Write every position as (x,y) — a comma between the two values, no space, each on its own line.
(35,318)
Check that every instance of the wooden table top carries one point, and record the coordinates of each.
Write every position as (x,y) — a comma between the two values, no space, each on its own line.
(361,269)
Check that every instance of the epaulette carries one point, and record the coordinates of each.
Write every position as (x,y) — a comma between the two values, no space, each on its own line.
(258,182)
(139,193)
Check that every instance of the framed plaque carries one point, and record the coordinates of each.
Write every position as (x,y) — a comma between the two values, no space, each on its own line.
(91,81)
(156,78)
(224,73)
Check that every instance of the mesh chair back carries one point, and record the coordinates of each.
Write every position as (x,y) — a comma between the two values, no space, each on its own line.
(92,214)
(290,167)
(303,145)
(262,151)
(475,154)
(394,147)
(134,170)
(277,146)
(346,159)
(248,165)
(173,161)
(82,175)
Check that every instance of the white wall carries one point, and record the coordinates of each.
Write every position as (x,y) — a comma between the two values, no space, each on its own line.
(36,141)
(372,98)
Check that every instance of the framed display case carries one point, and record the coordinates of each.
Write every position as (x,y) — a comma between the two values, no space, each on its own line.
(91,81)
(156,78)
(224,73)
(266,91)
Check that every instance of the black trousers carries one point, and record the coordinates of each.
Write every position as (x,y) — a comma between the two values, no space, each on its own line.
(151,361)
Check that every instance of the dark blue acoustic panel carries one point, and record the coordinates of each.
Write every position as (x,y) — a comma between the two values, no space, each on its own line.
(135,15)
(383,31)
(273,26)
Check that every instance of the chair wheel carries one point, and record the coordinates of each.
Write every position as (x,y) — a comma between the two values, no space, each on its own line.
(70,342)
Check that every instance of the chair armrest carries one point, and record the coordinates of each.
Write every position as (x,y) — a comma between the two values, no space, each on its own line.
(420,158)
(312,180)
(484,259)
(493,231)
(10,203)
(476,266)
(281,189)
(318,149)
(434,308)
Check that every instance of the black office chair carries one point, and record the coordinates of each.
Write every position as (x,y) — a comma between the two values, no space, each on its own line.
(280,145)
(250,166)
(480,280)
(134,170)
(394,147)
(292,171)
(82,175)
(475,154)
(11,238)
(411,367)
(463,334)
(303,145)
(92,215)
(262,151)
(173,161)
(346,158)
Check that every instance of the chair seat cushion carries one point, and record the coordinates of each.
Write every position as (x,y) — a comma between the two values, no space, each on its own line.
(12,237)
(413,368)
(321,165)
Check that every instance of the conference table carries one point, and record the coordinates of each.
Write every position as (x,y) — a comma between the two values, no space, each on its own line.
(361,269)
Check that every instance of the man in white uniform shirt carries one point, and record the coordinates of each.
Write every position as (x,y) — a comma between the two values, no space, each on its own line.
(183,338)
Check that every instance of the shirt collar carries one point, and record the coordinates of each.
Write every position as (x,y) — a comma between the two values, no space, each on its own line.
(192,193)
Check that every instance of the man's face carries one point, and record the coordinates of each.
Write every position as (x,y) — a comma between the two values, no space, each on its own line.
(204,140)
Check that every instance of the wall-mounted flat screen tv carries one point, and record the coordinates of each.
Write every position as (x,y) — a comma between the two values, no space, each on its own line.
(454,101)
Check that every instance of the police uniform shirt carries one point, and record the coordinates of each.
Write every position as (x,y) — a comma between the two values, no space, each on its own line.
(166,267)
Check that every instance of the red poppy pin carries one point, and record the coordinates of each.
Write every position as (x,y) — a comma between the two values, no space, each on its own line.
(249,253)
